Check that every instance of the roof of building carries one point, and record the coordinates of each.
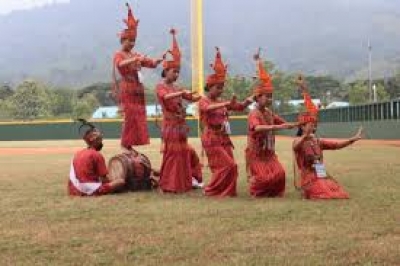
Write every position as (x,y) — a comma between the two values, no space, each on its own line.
(337,104)
(151,110)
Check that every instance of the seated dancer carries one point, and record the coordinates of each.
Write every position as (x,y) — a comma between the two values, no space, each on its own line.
(265,172)
(315,182)
(88,173)
(180,162)
(215,136)
(129,90)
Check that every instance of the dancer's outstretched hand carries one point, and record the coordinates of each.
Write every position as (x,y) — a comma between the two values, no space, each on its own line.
(233,100)
(250,99)
(292,125)
(359,135)
(159,60)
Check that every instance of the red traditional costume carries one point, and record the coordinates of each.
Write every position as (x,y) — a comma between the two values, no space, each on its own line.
(313,185)
(215,138)
(267,176)
(180,162)
(88,170)
(130,89)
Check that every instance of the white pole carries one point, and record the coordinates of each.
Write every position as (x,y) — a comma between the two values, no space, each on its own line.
(370,70)
(375,94)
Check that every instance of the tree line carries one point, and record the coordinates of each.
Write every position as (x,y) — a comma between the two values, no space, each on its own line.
(32,99)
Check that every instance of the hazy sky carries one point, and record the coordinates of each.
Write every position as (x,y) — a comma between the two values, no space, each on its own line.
(6,6)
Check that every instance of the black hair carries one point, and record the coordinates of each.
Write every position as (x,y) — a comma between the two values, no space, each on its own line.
(163,74)
(299,132)
(206,88)
(164,71)
(122,39)
(85,127)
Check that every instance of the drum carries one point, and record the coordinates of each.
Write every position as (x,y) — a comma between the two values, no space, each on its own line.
(135,169)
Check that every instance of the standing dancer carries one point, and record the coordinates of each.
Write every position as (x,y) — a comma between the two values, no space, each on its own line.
(265,172)
(130,90)
(315,182)
(180,162)
(215,136)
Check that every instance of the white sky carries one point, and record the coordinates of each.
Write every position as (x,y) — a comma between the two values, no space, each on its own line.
(6,6)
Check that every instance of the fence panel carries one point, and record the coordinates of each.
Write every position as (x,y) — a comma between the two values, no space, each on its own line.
(366,112)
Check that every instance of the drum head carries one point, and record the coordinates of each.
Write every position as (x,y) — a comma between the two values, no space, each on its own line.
(116,169)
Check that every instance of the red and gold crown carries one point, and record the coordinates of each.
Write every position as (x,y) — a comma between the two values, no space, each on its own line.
(220,70)
(311,113)
(265,80)
(130,32)
(174,52)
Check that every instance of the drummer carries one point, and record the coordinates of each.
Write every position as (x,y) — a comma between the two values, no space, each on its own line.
(88,173)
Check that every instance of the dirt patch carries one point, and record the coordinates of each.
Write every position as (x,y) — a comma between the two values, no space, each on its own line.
(69,150)
(33,151)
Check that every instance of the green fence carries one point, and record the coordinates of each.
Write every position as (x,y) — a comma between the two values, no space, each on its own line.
(380,120)
(69,130)
(381,111)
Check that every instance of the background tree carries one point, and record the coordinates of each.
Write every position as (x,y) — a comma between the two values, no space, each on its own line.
(31,101)
(85,106)
(239,86)
(5,91)
(102,92)
(6,110)
(358,93)
(6,107)
(393,86)
(382,94)
(61,102)
(285,89)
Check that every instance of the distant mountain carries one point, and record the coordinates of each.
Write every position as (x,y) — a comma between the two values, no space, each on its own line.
(72,44)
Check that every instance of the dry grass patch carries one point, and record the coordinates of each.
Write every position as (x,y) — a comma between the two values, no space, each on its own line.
(41,225)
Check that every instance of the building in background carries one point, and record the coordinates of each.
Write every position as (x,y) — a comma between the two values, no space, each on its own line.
(106,112)
(337,104)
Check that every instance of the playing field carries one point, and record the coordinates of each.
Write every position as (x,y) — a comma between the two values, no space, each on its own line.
(41,225)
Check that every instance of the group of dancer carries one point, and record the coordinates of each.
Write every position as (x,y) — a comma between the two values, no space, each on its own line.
(181,166)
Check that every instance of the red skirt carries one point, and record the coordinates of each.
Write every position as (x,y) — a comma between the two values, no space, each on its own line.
(267,177)
(133,105)
(180,163)
(224,172)
(320,188)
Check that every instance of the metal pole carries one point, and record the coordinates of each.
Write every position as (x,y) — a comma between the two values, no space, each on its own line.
(197,46)
(197,51)
(370,70)
(374,91)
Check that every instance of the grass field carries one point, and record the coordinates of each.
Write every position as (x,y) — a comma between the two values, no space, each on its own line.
(41,225)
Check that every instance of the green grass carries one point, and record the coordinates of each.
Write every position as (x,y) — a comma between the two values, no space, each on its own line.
(41,225)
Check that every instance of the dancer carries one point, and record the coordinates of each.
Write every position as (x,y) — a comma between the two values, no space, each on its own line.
(130,90)
(180,162)
(215,136)
(266,174)
(315,182)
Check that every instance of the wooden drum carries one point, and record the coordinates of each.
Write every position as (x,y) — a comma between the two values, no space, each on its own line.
(135,169)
